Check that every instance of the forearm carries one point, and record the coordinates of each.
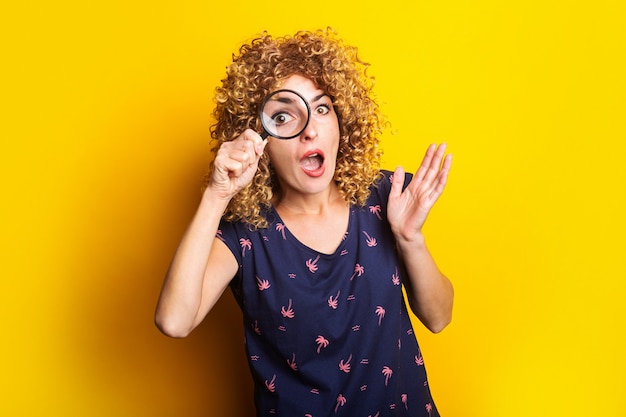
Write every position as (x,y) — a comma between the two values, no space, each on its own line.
(429,291)
(181,296)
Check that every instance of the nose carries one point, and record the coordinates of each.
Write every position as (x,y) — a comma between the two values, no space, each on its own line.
(310,131)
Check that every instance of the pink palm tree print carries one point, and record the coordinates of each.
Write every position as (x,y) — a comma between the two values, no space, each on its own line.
(358,271)
(405,401)
(395,278)
(332,301)
(376,211)
(255,327)
(345,366)
(270,384)
(380,312)
(321,342)
(292,363)
(341,401)
(288,312)
(245,244)
(429,408)
(387,372)
(312,264)
(262,284)
(371,242)
(419,361)
(281,228)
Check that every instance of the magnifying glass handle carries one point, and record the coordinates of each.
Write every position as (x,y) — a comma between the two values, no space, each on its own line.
(264,135)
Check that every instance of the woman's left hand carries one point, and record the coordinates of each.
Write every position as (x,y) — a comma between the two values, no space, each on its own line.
(407,210)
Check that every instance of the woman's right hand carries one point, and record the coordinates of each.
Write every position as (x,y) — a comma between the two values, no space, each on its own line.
(236,163)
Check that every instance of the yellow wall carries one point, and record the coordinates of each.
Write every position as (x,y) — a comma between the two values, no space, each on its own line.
(104,142)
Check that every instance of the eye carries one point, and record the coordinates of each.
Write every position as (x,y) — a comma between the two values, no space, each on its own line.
(322,109)
(280,118)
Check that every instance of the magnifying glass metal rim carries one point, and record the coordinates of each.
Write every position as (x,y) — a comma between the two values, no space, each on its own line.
(266,131)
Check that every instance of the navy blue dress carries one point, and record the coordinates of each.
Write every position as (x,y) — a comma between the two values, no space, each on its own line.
(329,335)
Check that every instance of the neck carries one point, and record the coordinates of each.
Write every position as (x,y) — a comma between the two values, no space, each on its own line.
(311,204)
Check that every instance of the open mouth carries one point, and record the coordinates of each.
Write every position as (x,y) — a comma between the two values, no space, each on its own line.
(313,162)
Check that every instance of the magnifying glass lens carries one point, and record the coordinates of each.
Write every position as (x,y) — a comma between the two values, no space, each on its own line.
(284,114)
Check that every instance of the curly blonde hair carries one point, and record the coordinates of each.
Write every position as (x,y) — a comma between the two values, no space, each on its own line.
(336,69)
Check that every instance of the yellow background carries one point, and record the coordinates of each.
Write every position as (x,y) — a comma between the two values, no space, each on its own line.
(106,108)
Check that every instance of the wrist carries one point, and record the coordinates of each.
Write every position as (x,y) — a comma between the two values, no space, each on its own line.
(414,241)
(215,200)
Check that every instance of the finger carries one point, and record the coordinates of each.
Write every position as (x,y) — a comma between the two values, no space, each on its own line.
(258,144)
(234,158)
(447,163)
(442,178)
(426,161)
(227,167)
(397,182)
(438,157)
(432,172)
(423,177)
(247,147)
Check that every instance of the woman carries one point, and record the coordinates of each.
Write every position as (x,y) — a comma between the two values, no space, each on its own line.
(314,240)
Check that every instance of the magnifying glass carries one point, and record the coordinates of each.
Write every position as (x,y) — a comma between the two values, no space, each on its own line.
(284,114)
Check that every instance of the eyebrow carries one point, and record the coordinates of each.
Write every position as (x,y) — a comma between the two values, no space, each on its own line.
(283,100)
(289,100)
(319,97)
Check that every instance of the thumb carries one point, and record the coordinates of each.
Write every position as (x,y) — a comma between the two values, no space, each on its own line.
(397,182)
(258,142)
(260,146)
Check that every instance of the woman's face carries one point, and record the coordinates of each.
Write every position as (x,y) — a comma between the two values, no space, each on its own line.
(306,163)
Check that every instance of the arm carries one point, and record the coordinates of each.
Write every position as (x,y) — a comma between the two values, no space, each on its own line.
(429,291)
(203,266)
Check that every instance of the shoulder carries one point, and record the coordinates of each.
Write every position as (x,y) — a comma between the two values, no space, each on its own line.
(239,235)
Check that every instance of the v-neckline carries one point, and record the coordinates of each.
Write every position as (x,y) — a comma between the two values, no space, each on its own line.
(294,238)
